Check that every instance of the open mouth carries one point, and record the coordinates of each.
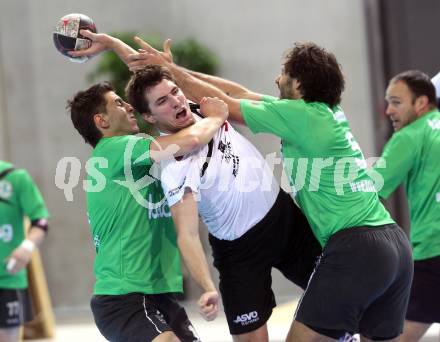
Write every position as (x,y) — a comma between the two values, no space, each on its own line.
(181,113)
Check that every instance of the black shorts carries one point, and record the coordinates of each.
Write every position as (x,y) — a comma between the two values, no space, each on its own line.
(136,317)
(424,301)
(282,239)
(15,307)
(361,284)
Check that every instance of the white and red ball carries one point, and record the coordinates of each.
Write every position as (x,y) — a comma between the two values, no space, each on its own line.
(67,37)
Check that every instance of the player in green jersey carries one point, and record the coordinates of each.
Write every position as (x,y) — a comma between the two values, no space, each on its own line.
(352,288)
(412,159)
(19,198)
(137,264)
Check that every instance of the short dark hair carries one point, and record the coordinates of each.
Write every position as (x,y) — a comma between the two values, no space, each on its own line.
(418,83)
(143,79)
(318,71)
(84,105)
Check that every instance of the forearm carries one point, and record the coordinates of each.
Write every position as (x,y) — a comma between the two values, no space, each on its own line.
(230,88)
(186,220)
(36,235)
(122,49)
(22,255)
(186,140)
(203,130)
(195,260)
(195,89)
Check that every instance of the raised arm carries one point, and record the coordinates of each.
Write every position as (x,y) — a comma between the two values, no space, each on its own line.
(186,220)
(230,88)
(194,88)
(102,42)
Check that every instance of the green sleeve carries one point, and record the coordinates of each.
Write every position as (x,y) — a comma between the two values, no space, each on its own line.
(30,198)
(268,98)
(399,154)
(141,151)
(284,118)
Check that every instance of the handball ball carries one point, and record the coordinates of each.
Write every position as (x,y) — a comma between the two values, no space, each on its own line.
(67,37)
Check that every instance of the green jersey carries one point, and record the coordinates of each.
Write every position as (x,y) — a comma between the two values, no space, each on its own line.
(412,157)
(19,198)
(323,162)
(134,236)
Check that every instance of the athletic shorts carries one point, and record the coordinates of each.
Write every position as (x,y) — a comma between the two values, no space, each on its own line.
(282,239)
(361,283)
(424,301)
(137,317)
(15,307)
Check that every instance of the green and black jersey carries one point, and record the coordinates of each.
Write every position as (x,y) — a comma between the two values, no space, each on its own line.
(323,162)
(412,157)
(131,224)
(19,198)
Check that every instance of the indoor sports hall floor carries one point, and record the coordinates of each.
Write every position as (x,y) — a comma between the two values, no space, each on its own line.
(74,326)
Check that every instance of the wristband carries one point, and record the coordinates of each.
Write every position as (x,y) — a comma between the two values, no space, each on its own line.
(28,245)
(11,264)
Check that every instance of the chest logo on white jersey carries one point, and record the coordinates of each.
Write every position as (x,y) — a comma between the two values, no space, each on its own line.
(225,148)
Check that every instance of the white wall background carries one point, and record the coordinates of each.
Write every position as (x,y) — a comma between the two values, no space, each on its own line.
(249,38)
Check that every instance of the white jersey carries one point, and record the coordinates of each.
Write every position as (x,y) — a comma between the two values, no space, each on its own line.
(234,188)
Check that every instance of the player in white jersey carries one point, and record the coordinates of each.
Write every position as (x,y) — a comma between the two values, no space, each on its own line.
(234,186)
(253,224)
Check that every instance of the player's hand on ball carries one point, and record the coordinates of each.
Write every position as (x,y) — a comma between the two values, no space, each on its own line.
(208,305)
(67,36)
(100,42)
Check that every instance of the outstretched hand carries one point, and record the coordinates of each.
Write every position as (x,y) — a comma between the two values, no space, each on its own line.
(100,42)
(148,55)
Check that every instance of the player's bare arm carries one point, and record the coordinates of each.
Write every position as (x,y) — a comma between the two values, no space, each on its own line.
(195,89)
(186,220)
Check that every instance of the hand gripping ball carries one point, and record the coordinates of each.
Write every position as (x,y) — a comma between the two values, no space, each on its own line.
(67,37)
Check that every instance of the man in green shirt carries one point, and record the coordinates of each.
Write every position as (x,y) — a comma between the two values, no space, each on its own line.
(19,198)
(412,158)
(137,265)
(352,288)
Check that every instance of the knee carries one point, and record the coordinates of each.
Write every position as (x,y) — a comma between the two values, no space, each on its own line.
(258,335)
